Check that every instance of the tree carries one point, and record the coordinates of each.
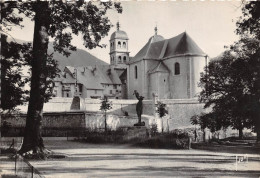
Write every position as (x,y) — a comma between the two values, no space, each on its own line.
(13,57)
(59,21)
(105,106)
(233,81)
(203,121)
(12,82)
(162,111)
(249,25)
(225,92)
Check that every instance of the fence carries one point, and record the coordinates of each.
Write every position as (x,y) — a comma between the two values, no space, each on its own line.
(24,169)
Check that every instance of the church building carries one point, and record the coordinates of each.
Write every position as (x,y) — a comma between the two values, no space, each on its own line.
(169,68)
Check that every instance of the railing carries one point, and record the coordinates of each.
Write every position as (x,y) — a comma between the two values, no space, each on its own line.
(24,169)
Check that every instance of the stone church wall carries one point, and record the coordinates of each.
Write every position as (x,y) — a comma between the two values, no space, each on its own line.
(133,83)
(178,83)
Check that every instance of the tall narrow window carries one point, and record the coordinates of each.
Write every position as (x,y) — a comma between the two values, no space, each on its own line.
(124,59)
(119,44)
(80,88)
(177,68)
(124,45)
(119,59)
(136,72)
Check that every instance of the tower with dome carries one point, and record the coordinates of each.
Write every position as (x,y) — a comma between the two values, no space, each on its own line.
(119,54)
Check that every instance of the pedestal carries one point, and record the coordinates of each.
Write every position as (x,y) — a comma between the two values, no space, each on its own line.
(137,132)
(78,104)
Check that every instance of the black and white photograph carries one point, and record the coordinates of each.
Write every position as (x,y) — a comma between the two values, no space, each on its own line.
(138,88)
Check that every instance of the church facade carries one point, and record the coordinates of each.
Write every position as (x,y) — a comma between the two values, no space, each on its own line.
(169,68)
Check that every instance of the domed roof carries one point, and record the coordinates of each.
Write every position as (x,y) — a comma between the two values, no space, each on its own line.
(119,34)
(156,38)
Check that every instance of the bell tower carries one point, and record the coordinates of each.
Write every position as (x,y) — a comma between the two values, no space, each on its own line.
(119,54)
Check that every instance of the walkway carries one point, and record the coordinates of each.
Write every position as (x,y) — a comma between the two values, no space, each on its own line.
(89,160)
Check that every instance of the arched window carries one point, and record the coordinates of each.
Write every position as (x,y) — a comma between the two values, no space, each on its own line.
(124,59)
(177,68)
(136,72)
(124,45)
(119,59)
(119,44)
(111,45)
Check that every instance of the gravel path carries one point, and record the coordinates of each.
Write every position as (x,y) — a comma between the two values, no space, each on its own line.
(90,160)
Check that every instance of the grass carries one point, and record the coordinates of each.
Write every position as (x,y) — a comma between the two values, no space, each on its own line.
(230,145)
(162,140)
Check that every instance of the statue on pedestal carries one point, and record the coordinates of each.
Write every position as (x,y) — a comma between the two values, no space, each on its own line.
(139,108)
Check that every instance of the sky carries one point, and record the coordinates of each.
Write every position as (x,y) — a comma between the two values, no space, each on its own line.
(211,24)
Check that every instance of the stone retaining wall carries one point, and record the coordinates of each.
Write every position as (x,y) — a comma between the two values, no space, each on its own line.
(57,109)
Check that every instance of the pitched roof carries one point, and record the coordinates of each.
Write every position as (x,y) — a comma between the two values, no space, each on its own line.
(161,67)
(181,44)
(142,54)
(109,75)
(85,76)
(92,77)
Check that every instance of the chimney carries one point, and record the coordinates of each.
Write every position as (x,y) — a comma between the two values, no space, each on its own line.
(93,70)
(109,72)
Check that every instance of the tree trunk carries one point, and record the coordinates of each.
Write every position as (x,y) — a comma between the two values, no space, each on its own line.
(32,136)
(204,135)
(257,122)
(258,136)
(105,121)
(240,133)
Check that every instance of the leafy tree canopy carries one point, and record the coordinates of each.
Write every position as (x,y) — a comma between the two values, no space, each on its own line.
(231,83)
(58,20)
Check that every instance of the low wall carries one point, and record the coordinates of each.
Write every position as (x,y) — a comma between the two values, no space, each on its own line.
(180,111)
(58,123)
(93,105)
(97,121)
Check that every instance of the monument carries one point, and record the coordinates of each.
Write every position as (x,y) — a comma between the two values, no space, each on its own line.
(139,109)
(78,103)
